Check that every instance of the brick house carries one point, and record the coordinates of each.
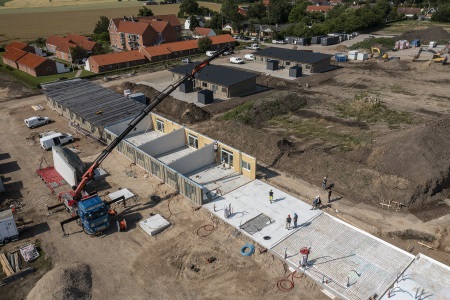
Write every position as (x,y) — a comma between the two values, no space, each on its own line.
(20,46)
(202,31)
(114,61)
(62,46)
(36,65)
(134,33)
(11,57)
(156,53)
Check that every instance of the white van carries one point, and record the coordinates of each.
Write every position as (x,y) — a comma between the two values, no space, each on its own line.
(210,53)
(236,60)
(36,121)
(47,142)
(249,57)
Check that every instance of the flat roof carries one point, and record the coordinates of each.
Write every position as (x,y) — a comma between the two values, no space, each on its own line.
(221,75)
(95,104)
(292,55)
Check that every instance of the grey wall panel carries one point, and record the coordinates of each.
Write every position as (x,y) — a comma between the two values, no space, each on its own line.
(165,143)
(195,160)
(64,169)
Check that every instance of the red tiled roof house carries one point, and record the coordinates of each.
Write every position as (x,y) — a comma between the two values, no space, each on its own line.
(62,46)
(11,57)
(36,65)
(20,46)
(114,61)
(319,8)
(134,33)
(203,31)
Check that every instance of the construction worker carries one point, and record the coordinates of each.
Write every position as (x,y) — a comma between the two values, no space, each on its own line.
(295,220)
(288,222)
(271,196)
(317,202)
(324,183)
(329,195)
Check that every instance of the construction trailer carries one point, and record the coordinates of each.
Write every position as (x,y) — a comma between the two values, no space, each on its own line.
(8,228)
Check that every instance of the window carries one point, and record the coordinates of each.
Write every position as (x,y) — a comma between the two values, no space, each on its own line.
(110,66)
(245,165)
(204,84)
(49,69)
(192,141)
(224,90)
(92,128)
(214,88)
(160,125)
(227,157)
(261,59)
(287,63)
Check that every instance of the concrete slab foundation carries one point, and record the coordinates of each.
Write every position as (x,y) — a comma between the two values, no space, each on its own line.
(425,278)
(171,156)
(143,138)
(154,225)
(355,264)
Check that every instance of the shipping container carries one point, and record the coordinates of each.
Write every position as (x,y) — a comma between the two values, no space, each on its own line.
(8,228)
(353,55)
(329,40)
(340,57)
(317,39)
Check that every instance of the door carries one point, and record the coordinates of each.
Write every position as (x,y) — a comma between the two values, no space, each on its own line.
(56,141)
(227,157)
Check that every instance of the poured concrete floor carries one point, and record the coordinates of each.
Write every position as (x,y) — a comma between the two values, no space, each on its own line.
(218,180)
(143,138)
(172,155)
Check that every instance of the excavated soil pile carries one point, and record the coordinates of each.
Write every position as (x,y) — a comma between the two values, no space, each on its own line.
(64,282)
(427,35)
(394,65)
(272,105)
(179,111)
(420,157)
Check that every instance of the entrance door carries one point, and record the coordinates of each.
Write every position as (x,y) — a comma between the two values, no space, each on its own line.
(56,141)
(228,157)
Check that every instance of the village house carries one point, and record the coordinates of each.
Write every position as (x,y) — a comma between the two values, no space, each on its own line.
(133,33)
(203,31)
(62,46)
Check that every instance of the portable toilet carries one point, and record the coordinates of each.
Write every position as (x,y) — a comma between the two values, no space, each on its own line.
(353,55)
(415,43)
(272,65)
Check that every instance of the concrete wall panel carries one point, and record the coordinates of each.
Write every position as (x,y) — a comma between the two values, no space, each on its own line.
(142,127)
(165,143)
(195,160)
(64,169)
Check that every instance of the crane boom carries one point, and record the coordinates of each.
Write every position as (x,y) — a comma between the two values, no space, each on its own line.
(89,174)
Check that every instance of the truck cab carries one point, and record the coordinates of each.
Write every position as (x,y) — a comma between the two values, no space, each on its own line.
(93,214)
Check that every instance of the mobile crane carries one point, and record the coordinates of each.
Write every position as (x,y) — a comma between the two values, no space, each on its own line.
(89,210)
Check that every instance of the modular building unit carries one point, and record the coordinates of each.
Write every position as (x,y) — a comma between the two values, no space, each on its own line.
(8,228)
(340,57)
(205,97)
(317,39)
(291,39)
(187,87)
(295,72)
(303,41)
(362,56)
(329,40)
(353,55)
(139,97)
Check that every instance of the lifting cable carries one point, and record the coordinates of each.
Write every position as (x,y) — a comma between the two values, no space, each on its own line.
(286,287)
(209,228)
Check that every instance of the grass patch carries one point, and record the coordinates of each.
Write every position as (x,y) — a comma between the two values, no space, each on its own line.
(2,2)
(317,128)
(407,25)
(239,113)
(372,112)
(387,43)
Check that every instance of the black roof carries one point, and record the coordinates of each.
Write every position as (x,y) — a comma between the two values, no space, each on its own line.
(85,98)
(292,55)
(220,75)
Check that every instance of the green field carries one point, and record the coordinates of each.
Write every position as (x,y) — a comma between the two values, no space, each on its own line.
(61,20)
(407,25)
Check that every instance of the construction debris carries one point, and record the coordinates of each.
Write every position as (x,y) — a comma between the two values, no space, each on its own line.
(29,252)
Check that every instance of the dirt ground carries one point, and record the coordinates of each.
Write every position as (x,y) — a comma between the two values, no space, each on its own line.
(128,265)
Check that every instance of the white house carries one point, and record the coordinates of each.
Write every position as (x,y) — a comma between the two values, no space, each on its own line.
(187,23)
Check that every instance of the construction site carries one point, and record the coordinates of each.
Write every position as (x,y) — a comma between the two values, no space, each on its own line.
(198,195)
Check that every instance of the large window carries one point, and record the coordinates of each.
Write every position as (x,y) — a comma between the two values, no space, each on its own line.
(160,125)
(227,157)
(245,165)
(204,84)
(193,141)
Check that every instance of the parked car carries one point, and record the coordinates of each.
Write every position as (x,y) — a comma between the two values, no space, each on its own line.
(47,142)
(249,57)
(36,121)
(210,53)
(281,42)
(186,60)
(236,60)
(228,53)
(151,3)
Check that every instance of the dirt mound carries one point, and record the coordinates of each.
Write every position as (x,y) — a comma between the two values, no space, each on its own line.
(394,65)
(420,156)
(427,35)
(341,48)
(179,111)
(65,282)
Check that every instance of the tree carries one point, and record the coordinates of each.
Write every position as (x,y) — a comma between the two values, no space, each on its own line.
(215,22)
(145,12)
(230,11)
(194,23)
(204,44)
(102,25)
(442,15)
(298,12)
(257,11)
(278,11)
(78,53)
(188,7)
